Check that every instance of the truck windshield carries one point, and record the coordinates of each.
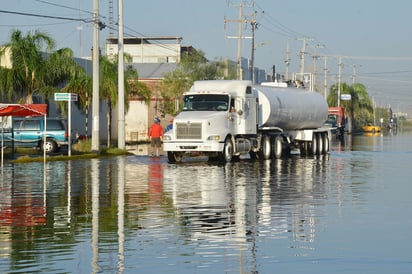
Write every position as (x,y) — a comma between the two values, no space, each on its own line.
(205,102)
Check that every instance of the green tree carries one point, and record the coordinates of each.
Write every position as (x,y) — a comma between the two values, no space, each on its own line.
(34,67)
(359,108)
(82,86)
(109,86)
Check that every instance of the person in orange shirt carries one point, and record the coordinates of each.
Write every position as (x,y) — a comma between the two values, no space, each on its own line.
(155,137)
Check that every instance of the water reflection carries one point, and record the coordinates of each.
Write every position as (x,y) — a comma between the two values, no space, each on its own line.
(140,214)
(212,206)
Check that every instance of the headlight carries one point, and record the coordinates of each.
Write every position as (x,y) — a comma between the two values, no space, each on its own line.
(214,138)
(167,137)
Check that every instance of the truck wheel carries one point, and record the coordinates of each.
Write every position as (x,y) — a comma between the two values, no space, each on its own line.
(319,141)
(174,157)
(266,149)
(325,141)
(313,145)
(227,154)
(49,146)
(277,147)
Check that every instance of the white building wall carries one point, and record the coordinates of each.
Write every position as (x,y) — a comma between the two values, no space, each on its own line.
(149,53)
(136,122)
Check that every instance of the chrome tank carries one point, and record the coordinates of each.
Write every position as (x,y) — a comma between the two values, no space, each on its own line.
(291,108)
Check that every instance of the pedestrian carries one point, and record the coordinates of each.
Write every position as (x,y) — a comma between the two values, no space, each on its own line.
(170,125)
(155,137)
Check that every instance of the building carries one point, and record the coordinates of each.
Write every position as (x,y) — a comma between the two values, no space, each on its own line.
(152,57)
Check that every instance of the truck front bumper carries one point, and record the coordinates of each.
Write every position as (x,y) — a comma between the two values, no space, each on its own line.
(193,147)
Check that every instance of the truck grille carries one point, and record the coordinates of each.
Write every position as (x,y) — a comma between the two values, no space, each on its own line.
(188,131)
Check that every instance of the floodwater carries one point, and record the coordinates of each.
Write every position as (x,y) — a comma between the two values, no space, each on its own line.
(346,212)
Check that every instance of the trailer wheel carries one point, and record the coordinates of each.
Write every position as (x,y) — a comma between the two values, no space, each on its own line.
(325,141)
(174,157)
(227,154)
(319,142)
(313,145)
(266,149)
(277,147)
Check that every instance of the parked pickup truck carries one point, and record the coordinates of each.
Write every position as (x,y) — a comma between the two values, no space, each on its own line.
(29,132)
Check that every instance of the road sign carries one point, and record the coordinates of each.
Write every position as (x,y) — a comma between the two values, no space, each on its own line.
(345,97)
(65,96)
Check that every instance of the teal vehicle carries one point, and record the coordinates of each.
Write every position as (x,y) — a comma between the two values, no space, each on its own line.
(29,132)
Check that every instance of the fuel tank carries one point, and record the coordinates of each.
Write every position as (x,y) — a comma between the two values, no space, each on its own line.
(290,108)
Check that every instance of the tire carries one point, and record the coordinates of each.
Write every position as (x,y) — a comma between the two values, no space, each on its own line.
(277,147)
(266,150)
(227,154)
(49,146)
(174,157)
(313,145)
(319,149)
(325,141)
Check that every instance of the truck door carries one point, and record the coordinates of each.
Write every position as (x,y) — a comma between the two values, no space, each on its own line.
(243,115)
(250,115)
(233,117)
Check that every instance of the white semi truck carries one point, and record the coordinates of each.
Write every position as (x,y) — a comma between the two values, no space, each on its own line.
(224,119)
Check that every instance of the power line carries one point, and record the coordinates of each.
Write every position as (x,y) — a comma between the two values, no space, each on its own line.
(45,16)
(63,6)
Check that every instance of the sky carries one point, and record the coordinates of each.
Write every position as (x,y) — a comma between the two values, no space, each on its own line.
(373,39)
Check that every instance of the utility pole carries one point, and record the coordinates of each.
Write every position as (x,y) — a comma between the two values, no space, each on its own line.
(111,22)
(120,84)
(353,74)
(325,78)
(302,55)
(315,57)
(339,78)
(287,62)
(252,61)
(239,44)
(95,99)
(239,38)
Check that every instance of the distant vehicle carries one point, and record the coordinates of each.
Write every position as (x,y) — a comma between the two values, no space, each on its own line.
(369,127)
(29,132)
(336,121)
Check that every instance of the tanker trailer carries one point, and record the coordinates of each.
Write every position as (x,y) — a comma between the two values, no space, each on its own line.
(224,119)
(291,118)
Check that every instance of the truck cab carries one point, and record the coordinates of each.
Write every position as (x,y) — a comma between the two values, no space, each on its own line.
(214,114)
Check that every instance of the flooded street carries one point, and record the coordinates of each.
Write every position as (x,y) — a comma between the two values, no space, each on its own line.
(345,212)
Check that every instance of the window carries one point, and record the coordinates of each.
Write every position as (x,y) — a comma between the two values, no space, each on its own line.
(31,125)
(54,125)
(211,102)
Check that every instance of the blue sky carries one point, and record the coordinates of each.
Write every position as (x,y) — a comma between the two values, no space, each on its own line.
(374,37)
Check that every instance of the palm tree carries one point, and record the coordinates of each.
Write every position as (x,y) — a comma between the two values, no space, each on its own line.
(360,105)
(82,86)
(109,86)
(34,68)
